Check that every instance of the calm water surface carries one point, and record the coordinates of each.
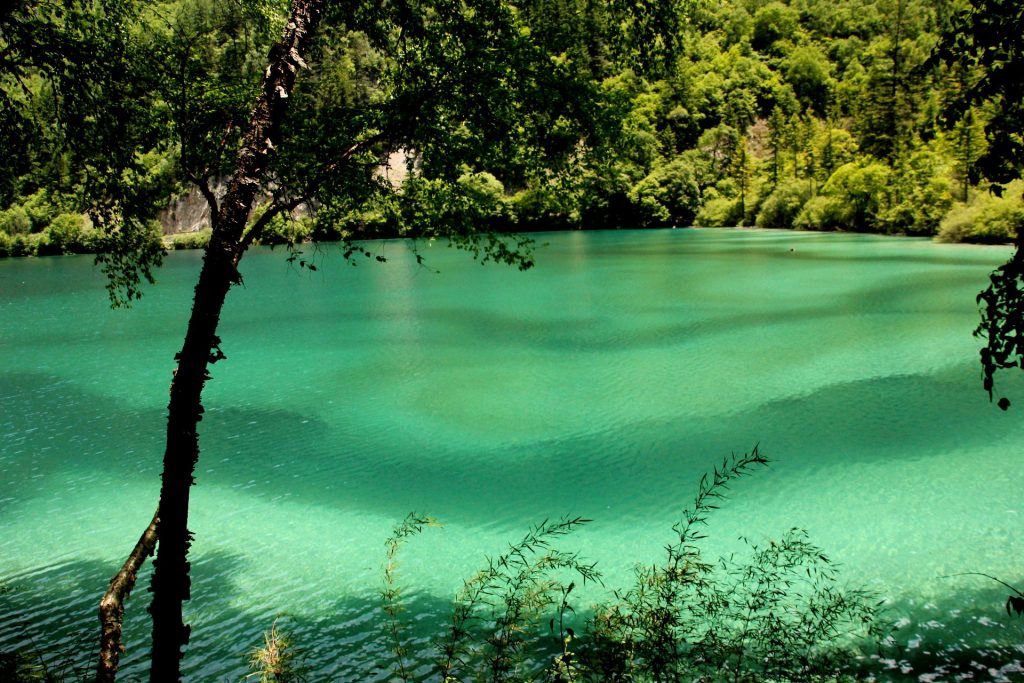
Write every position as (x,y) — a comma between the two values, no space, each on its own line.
(602,384)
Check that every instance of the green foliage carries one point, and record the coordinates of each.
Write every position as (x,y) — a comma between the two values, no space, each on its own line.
(784,204)
(15,221)
(80,105)
(863,190)
(129,249)
(922,191)
(988,219)
(577,125)
(668,195)
(983,44)
(68,233)
(391,594)
(720,212)
(497,610)
(460,212)
(277,661)
(774,22)
(823,213)
(832,147)
(190,240)
(24,667)
(19,245)
(1002,322)
(778,614)
(281,229)
(41,208)
(808,71)
(546,205)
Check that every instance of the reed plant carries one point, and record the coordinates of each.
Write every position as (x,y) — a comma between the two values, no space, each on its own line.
(776,614)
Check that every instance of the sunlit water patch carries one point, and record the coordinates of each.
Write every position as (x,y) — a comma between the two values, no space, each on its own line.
(601,384)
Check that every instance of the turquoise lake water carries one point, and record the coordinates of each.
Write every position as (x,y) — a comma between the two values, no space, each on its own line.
(602,383)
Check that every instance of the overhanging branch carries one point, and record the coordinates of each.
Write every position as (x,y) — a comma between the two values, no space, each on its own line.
(278,207)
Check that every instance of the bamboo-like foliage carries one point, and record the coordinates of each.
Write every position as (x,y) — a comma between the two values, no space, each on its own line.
(391,594)
(776,615)
(499,609)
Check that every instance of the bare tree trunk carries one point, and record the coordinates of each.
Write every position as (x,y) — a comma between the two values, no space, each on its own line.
(112,604)
(171,583)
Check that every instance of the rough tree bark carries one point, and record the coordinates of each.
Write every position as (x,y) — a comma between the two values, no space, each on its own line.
(112,604)
(171,583)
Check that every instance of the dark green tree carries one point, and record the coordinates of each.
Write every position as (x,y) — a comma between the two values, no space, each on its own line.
(989,36)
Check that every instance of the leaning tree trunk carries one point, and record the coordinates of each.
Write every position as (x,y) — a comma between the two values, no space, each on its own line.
(171,583)
(111,610)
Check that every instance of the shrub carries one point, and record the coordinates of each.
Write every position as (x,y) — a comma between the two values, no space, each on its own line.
(925,196)
(68,233)
(720,212)
(542,206)
(772,23)
(989,219)
(40,209)
(864,187)
(824,213)
(285,230)
(277,661)
(778,615)
(783,204)
(15,221)
(19,245)
(190,240)
(668,195)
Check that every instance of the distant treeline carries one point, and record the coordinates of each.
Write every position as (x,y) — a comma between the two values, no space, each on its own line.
(807,114)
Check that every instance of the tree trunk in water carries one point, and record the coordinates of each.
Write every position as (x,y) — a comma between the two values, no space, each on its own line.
(112,604)
(171,583)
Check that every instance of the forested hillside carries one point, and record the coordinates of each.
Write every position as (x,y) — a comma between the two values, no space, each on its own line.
(808,114)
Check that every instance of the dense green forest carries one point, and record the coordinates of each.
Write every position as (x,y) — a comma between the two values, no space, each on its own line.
(805,114)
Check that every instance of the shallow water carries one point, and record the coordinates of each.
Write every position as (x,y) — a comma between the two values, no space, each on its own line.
(602,384)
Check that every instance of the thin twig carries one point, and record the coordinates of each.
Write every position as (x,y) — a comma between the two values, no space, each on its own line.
(987,576)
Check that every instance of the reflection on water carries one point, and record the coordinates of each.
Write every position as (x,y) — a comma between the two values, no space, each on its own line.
(601,384)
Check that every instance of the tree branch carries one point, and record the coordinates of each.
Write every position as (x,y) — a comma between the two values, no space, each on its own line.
(211,199)
(987,576)
(274,210)
(111,610)
(277,208)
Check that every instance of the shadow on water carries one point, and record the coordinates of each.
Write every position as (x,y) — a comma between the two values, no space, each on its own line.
(66,632)
(344,641)
(643,462)
(938,640)
(279,453)
(965,634)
